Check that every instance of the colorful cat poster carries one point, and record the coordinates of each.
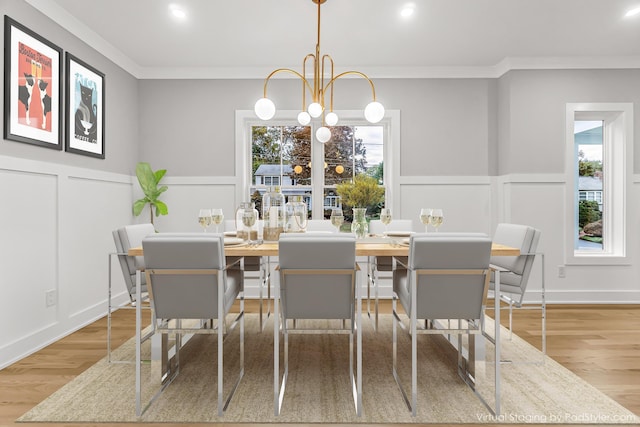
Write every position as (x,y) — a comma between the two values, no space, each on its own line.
(85,108)
(34,83)
(32,89)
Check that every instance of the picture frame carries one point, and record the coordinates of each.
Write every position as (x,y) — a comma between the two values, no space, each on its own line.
(84,108)
(32,87)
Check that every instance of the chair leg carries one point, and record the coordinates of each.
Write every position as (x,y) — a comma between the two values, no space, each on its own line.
(280,388)
(396,377)
(510,320)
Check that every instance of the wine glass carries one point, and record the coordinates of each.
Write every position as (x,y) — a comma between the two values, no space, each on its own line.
(248,220)
(385,218)
(204,218)
(436,218)
(337,218)
(217,216)
(425,217)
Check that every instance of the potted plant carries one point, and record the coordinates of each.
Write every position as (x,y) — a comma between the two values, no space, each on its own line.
(149,181)
(363,192)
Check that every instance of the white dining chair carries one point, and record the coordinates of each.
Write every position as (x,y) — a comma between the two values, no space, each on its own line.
(380,267)
(189,279)
(516,271)
(256,269)
(445,282)
(125,238)
(317,281)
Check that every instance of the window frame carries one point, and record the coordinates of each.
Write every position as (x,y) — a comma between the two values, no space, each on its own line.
(246,119)
(618,168)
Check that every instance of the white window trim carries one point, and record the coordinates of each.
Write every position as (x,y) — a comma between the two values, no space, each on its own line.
(246,119)
(618,160)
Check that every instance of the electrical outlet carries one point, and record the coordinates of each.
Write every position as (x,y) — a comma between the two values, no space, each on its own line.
(561,271)
(51,297)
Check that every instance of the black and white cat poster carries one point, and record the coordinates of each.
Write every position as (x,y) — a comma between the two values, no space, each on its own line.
(85,108)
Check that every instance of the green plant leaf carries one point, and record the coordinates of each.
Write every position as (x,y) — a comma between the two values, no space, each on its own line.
(146,178)
(159,174)
(139,205)
(161,208)
(149,181)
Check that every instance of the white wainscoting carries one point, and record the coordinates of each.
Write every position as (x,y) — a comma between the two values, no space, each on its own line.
(56,223)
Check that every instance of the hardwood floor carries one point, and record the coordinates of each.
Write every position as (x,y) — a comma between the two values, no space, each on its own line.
(599,343)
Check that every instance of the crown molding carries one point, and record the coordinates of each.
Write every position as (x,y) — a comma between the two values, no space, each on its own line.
(67,21)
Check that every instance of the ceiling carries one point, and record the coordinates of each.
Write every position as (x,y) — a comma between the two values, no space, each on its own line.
(443,38)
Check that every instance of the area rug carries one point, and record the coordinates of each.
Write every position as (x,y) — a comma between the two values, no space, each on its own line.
(319,391)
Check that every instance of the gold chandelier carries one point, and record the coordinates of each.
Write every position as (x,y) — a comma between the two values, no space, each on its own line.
(315,83)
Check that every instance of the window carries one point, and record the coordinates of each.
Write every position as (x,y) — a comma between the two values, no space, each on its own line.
(271,180)
(599,153)
(588,140)
(284,154)
(352,150)
(276,161)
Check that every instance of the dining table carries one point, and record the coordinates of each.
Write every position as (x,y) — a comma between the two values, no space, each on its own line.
(364,247)
(369,246)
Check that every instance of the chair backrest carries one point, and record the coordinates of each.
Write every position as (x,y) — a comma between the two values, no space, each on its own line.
(183,274)
(125,238)
(317,275)
(377,227)
(525,238)
(452,274)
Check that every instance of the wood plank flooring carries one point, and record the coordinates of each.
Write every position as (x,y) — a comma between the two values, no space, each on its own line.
(600,343)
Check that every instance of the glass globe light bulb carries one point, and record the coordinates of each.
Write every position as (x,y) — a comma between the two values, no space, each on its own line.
(331,119)
(265,109)
(374,112)
(323,134)
(315,110)
(304,118)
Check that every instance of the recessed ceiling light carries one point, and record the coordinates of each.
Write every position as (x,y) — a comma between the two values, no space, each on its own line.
(633,12)
(177,11)
(407,10)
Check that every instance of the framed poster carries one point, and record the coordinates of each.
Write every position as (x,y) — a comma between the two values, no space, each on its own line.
(84,108)
(32,91)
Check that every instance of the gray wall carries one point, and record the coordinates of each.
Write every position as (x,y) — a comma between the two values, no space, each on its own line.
(532,113)
(121,97)
(446,123)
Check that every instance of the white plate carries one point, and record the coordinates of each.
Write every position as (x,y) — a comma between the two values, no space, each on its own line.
(232,241)
(398,233)
(230,233)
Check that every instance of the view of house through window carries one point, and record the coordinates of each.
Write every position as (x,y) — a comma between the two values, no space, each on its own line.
(283,156)
(590,192)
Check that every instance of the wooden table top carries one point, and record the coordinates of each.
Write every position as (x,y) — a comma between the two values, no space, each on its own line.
(363,248)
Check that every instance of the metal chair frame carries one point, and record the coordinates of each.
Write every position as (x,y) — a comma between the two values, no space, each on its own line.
(519,304)
(131,305)
(466,367)
(354,329)
(171,366)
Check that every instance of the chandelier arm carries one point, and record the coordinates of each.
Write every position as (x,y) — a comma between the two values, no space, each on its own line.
(328,84)
(288,70)
(357,73)
(318,79)
(304,73)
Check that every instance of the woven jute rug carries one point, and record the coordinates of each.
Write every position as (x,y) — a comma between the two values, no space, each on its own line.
(319,388)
